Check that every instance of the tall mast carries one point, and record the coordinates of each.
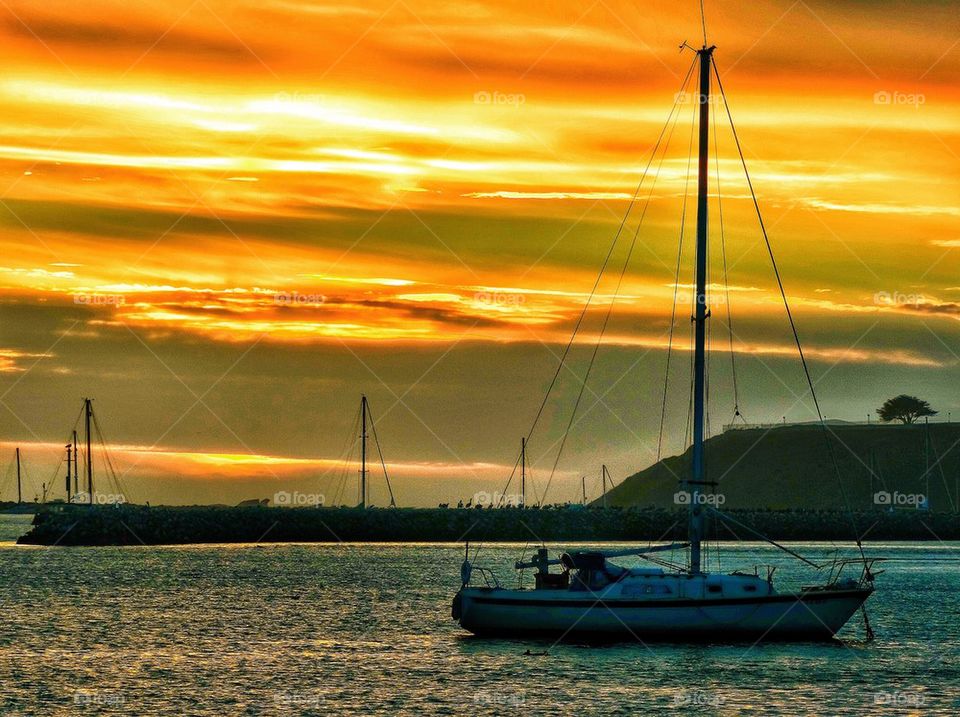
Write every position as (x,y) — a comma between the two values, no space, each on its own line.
(88,412)
(363,451)
(69,448)
(583,488)
(19,490)
(603,479)
(523,472)
(76,464)
(926,456)
(701,314)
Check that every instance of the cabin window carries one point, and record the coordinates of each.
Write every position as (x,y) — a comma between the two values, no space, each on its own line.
(750,588)
(713,588)
(647,590)
(656,589)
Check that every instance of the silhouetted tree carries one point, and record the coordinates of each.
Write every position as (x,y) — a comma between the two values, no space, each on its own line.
(905,409)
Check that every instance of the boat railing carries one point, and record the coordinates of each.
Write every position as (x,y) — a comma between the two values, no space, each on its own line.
(487,576)
(866,573)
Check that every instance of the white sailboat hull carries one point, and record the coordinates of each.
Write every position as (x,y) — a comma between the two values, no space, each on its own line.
(807,615)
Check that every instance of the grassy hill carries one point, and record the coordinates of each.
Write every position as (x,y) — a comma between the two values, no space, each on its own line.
(790,467)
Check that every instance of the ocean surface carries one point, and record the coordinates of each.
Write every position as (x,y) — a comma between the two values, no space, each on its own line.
(335,629)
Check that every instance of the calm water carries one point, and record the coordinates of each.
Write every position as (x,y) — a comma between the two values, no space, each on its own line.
(353,629)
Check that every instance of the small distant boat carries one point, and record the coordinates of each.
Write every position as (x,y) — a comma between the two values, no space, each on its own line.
(592,596)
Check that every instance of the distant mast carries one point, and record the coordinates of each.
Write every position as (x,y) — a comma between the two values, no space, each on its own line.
(697,478)
(69,448)
(19,489)
(88,413)
(76,464)
(363,451)
(603,478)
(523,472)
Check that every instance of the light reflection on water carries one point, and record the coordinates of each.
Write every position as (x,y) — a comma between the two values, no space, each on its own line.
(353,629)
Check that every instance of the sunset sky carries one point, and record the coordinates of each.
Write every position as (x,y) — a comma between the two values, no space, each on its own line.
(225,220)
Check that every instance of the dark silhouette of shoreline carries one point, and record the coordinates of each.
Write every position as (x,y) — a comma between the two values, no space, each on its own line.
(168,525)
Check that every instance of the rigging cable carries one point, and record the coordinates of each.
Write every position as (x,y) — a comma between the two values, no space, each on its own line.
(676,291)
(703,22)
(76,453)
(726,281)
(613,299)
(108,459)
(512,473)
(340,478)
(393,503)
(688,434)
(677,99)
(707,296)
(793,326)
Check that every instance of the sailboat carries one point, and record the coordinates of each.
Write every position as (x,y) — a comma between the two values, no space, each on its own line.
(78,482)
(593,596)
(364,423)
(17,469)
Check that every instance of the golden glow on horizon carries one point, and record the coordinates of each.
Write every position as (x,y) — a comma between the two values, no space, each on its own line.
(134,460)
